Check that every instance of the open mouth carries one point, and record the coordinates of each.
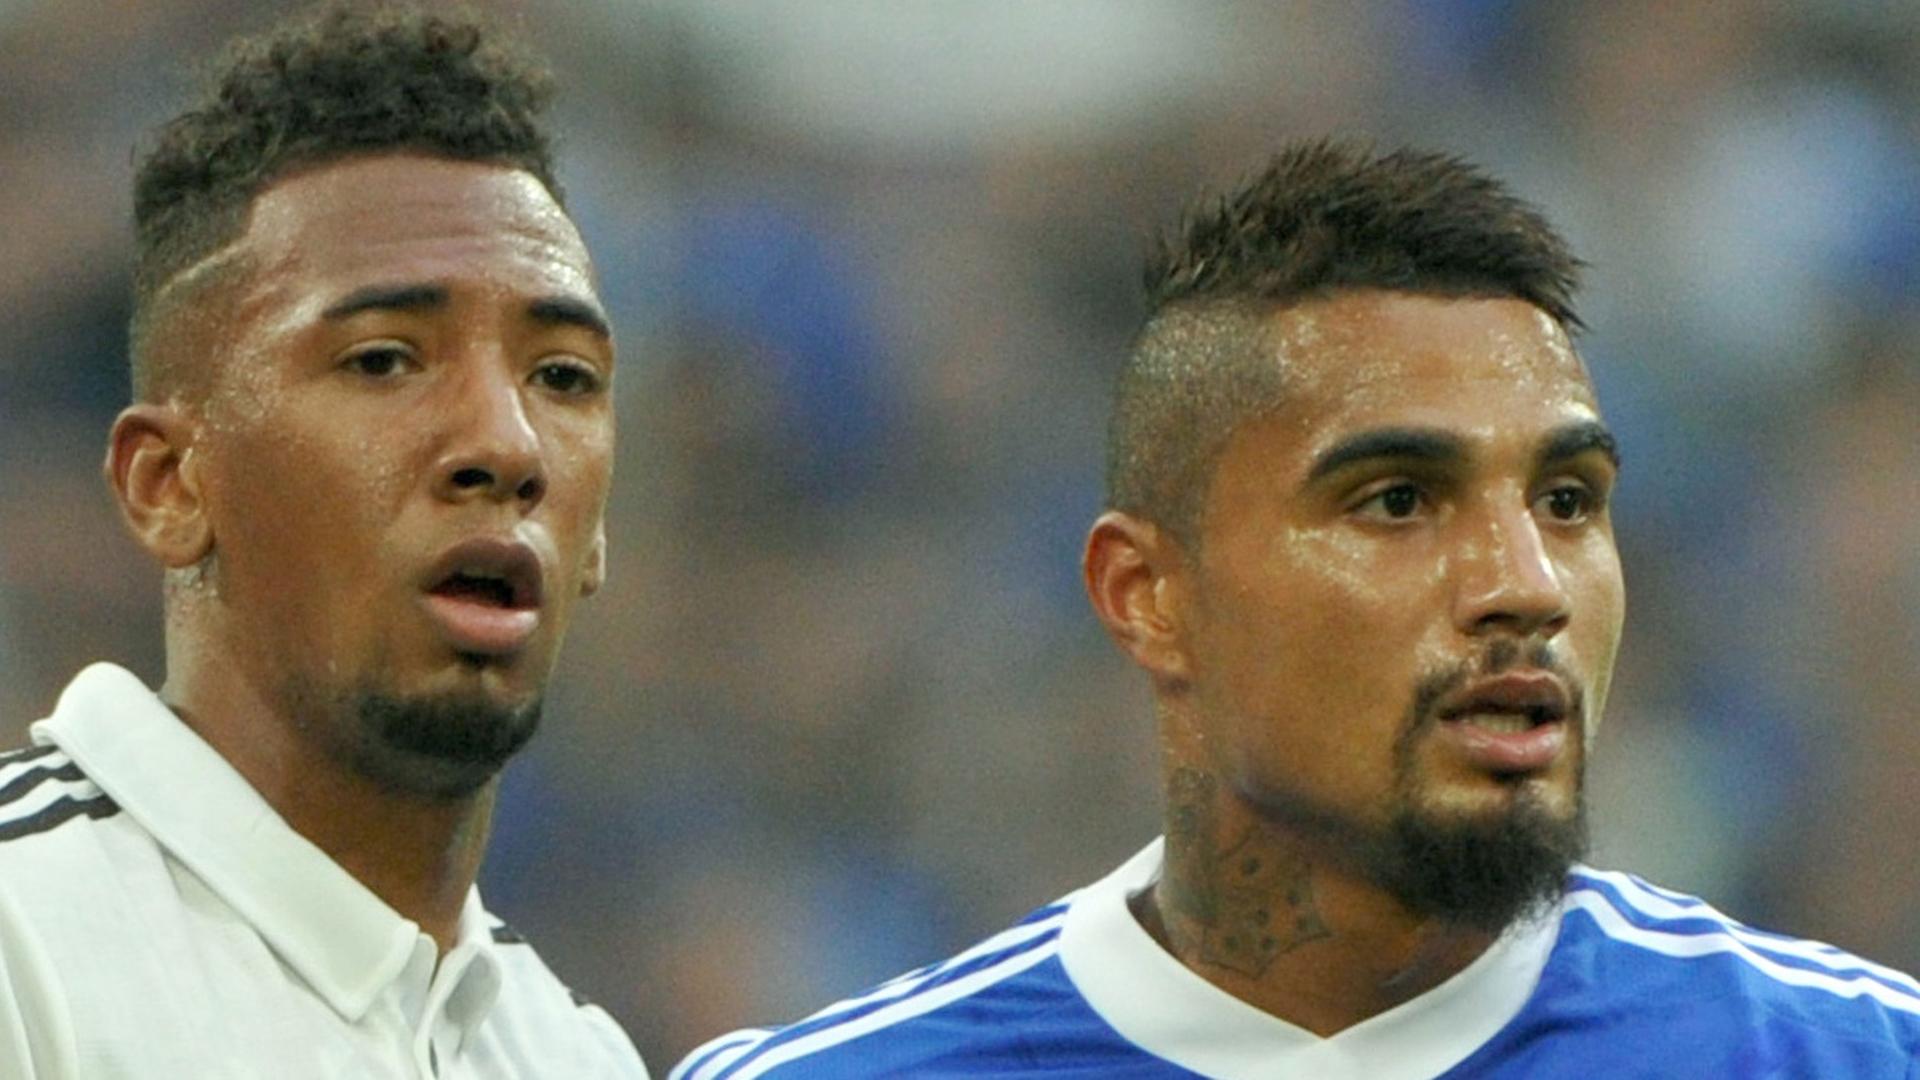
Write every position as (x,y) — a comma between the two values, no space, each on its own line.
(1506,720)
(490,572)
(1510,725)
(1515,702)
(485,595)
(475,588)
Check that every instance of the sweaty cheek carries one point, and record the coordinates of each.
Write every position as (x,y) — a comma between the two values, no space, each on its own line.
(1366,605)
(586,468)
(1601,619)
(379,474)
(1299,605)
(1348,581)
(1327,560)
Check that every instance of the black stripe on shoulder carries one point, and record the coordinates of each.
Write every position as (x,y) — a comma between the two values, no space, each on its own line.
(29,753)
(507,935)
(17,788)
(58,813)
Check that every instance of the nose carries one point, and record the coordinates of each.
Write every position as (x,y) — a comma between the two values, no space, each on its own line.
(1507,581)
(492,450)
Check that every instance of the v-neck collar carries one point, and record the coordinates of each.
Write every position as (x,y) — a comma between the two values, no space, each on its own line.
(1157,1003)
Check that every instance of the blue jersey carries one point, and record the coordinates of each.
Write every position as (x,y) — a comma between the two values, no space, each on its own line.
(1623,980)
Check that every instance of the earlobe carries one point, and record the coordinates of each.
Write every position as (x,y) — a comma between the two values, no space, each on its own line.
(1133,572)
(155,479)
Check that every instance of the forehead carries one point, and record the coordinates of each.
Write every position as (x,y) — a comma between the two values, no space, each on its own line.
(413,219)
(1484,368)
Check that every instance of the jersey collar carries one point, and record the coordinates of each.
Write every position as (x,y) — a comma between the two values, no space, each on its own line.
(331,930)
(1158,1004)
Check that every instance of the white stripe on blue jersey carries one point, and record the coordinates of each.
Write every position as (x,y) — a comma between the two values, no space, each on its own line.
(899,1011)
(919,991)
(718,1053)
(1699,944)
(1042,923)
(1678,912)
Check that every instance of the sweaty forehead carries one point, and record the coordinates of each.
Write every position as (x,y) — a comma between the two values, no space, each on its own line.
(408,218)
(1377,347)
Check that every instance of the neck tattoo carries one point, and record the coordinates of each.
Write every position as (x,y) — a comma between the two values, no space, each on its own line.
(1237,903)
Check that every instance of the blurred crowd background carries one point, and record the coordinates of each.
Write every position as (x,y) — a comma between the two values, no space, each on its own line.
(843,708)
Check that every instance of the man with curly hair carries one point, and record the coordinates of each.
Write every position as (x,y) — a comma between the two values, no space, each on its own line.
(1358,539)
(371,445)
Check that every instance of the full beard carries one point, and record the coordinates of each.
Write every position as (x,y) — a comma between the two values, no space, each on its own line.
(1484,870)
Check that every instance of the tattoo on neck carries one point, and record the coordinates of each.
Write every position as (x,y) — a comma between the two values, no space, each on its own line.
(1237,904)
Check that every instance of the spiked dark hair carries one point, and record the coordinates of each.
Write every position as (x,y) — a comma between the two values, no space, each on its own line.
(347,80)
(1323,217)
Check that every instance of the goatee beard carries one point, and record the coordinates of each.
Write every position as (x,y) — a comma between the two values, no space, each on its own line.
(1486,870)
(1483,872)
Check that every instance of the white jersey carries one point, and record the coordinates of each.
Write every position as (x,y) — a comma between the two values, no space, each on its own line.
(158,920)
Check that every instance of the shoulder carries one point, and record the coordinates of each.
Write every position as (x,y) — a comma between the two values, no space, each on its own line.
(1638,948)
(66,850)
(548,1017)
(50,818)
(981,1011)
(47,801)
(41,788)
(48,865)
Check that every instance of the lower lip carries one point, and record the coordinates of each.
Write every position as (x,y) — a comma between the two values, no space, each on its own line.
(1507,751)
(474,627)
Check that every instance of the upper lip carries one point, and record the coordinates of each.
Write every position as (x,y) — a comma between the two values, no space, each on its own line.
(509,561)
(1541,695)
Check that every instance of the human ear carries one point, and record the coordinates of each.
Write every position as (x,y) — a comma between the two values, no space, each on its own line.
(1135,576)
(154,477)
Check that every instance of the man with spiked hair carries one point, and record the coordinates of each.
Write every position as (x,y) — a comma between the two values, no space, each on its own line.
(1357,536)
(370,445)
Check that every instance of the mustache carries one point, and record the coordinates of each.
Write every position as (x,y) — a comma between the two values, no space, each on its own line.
(1500,656)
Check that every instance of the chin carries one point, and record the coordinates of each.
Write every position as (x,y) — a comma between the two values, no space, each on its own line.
(1483,865)
(1492,799)
(471,680)
(443,745)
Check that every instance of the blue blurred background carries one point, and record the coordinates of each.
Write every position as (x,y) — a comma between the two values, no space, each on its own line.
(842,708)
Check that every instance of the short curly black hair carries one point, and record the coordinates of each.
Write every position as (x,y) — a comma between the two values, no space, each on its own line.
(345,80)
(1325,216)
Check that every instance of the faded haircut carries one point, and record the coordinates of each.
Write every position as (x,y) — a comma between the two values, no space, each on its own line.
(347,80)
(1323,217)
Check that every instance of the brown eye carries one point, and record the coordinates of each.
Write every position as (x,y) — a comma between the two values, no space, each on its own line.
(1396,503)
(567,378)
(1400,501)
(379,362)
(1569,503)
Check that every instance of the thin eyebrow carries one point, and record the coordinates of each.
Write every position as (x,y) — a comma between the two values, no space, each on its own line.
(569,311)
(400,297)
(1575,439)
(1396,444)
